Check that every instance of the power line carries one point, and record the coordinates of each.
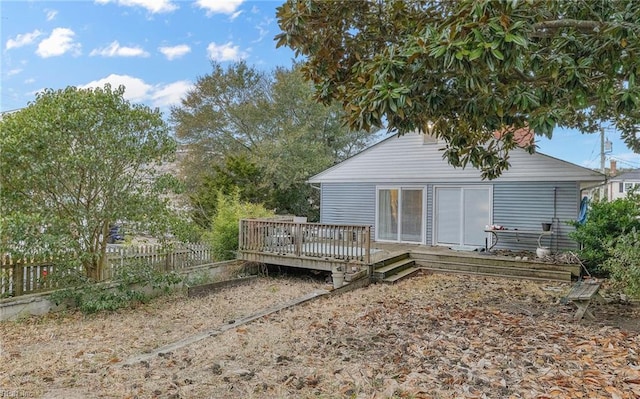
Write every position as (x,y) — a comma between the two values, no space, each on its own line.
(630,163)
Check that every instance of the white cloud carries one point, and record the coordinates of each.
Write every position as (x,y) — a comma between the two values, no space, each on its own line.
(175,51)
(51,14)
(153,6)
(229,7)
(115,50)
(164,96)
(22,40)
(225,52)
(137,90)
(14,71)
(29,81)
(59,42)
(263,29)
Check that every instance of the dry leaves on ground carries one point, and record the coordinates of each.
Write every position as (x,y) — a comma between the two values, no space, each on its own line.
(432,336)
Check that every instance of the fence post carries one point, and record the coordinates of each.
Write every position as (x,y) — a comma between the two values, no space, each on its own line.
(18,278)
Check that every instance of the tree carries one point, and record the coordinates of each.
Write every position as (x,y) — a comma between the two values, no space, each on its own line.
(261,133)
(463,70)
(237,175)
(74,162)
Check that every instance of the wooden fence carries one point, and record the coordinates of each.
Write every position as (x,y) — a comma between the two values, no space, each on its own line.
(26,276)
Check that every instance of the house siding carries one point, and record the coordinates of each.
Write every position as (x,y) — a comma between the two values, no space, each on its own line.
(355,203)
(348,203)
(525,206)
(535,189)
(407,159)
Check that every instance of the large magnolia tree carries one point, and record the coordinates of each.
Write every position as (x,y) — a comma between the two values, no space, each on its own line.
(466,69)
(74,162)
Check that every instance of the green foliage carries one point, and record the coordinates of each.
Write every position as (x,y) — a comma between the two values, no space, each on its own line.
(128,289)
(200,278)
(223,236)
(606,223)
(261,134)
(238,173)
(470,68)
(76,161)
(623,264)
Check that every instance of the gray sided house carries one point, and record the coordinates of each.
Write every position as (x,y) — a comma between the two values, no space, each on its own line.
(409,194)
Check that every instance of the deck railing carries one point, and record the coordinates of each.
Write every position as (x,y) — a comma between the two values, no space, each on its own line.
(317,240)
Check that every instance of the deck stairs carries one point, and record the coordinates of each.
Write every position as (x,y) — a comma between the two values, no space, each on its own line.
(394,268)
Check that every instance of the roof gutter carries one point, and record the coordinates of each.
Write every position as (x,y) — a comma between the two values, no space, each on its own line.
(604,183)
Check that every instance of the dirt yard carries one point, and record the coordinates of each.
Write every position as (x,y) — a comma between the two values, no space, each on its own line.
(432,336)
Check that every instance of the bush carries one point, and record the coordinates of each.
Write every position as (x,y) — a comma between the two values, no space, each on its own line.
(624,263)
(223,236)
(130,281)
(606,222)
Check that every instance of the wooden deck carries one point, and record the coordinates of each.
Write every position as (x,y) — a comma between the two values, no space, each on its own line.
(316,246)
(325,246)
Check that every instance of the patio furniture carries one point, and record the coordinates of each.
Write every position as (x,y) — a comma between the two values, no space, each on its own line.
(517,233)
(582,293)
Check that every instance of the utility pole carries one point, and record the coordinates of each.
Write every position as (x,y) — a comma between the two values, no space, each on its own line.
(603,189)
(602,150)
(605,148)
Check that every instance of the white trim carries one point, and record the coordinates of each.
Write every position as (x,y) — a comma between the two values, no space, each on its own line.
(434,227)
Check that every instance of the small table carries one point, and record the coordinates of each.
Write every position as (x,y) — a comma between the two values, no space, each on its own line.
(581,294)
(516,232)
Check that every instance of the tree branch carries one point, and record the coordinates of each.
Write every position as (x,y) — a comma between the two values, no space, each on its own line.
(548,28)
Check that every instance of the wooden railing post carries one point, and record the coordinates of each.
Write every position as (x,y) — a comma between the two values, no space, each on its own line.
(298,238)
(367,245)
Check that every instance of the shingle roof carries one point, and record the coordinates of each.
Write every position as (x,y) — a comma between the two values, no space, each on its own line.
(628,175)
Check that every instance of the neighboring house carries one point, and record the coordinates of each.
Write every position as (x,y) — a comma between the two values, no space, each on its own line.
(618,186)
(405,189)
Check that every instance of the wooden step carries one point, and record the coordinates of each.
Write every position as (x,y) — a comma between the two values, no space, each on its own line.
(492,260)
(401,275)
(393,258)
(435,270)
(396,267)
(506,271)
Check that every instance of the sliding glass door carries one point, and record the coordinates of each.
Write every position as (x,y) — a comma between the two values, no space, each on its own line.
(461,214)
(400,214)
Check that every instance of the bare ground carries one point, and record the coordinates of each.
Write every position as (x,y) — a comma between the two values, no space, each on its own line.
(432,336)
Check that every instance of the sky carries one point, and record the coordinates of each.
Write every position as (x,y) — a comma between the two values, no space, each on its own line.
(158,48)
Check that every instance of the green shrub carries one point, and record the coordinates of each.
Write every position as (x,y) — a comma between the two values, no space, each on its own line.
(127,290)
(624,263)
(606,222)
(223,236)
